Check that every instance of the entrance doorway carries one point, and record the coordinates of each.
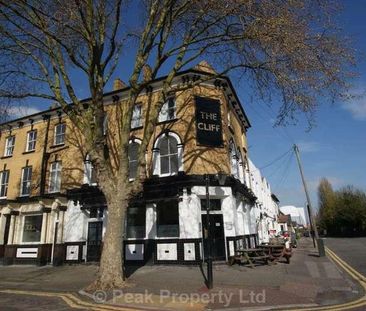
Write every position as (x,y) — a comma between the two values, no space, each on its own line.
(7,227)
(6,235)
(217,236)
(94,242)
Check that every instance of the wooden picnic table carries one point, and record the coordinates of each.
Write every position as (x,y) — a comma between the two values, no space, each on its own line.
(249,255)
(277,251)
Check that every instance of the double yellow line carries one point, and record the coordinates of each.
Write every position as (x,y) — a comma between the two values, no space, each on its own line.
(70,299)
(76,303)
(358,277)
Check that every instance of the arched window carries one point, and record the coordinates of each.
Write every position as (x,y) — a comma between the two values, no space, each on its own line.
(241,167)
(133,153)
(234,160)
(167,155)
(89,172)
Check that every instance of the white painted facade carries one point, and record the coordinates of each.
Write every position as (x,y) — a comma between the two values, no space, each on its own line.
(244,224)
(266,208)
(297,214)
(238,220)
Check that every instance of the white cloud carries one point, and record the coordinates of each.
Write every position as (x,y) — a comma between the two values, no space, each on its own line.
(357,104)
(20,111)
(335,182)
(309,146)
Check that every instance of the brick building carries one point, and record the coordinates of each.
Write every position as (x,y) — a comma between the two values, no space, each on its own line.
(52,210)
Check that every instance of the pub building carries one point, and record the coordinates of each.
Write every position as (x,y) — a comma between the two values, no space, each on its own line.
(52,211)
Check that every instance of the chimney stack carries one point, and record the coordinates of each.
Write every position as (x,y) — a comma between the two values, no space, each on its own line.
(118,84)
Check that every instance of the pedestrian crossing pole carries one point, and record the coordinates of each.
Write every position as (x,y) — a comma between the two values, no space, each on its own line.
(319,241)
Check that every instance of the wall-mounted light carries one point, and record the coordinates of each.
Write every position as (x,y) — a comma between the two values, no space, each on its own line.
(221,177)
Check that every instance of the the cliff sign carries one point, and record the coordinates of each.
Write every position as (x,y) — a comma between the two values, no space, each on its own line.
(208,122)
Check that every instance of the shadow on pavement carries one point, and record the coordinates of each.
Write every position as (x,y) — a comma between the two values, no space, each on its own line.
(203,274)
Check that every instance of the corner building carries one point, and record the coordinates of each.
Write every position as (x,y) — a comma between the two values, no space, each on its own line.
(52,210)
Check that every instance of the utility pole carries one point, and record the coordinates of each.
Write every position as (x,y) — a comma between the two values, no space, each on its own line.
(319,241)
(311,225)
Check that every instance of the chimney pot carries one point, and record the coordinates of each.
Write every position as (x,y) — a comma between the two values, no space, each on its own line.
(118,84)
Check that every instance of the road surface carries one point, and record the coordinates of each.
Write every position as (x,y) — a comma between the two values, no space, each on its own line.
(351,250)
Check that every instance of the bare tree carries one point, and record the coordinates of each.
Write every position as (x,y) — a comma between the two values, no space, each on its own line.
(285,46)
(4,111)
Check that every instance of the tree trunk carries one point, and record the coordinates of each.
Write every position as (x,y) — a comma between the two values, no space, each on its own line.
(111,272)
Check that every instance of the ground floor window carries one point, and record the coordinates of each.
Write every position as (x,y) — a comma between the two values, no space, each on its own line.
(96,212)
(240,244)
(167,219)
(136,220)
(252,242)
(32,228)
(247,242)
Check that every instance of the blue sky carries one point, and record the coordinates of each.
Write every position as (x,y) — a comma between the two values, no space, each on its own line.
(334,148)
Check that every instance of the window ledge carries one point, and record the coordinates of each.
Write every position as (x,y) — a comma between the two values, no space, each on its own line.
(89,185)
(30,151)
(137,128)
(167,121)
(6,157)
(57,146)
(167,175)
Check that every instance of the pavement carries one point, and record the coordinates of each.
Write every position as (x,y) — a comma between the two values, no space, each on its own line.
(308,282)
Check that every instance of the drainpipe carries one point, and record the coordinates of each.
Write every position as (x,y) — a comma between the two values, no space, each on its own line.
(44,157)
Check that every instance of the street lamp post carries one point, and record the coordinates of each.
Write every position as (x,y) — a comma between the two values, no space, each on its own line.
(221,178)
(208,236)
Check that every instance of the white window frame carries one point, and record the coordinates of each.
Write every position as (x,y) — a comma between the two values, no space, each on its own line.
(9,148)
(61,134)
(168,113)
(156,155)
(40,237)
(88,171)
(31,140)
(234,160)
(28,181)
(168,155)
(57,170)
(136,120)
(241,167)
(4,183)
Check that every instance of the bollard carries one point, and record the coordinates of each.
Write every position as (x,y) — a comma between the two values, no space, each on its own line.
(321,249)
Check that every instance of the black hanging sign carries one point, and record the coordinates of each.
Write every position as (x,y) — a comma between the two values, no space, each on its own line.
(208,122)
